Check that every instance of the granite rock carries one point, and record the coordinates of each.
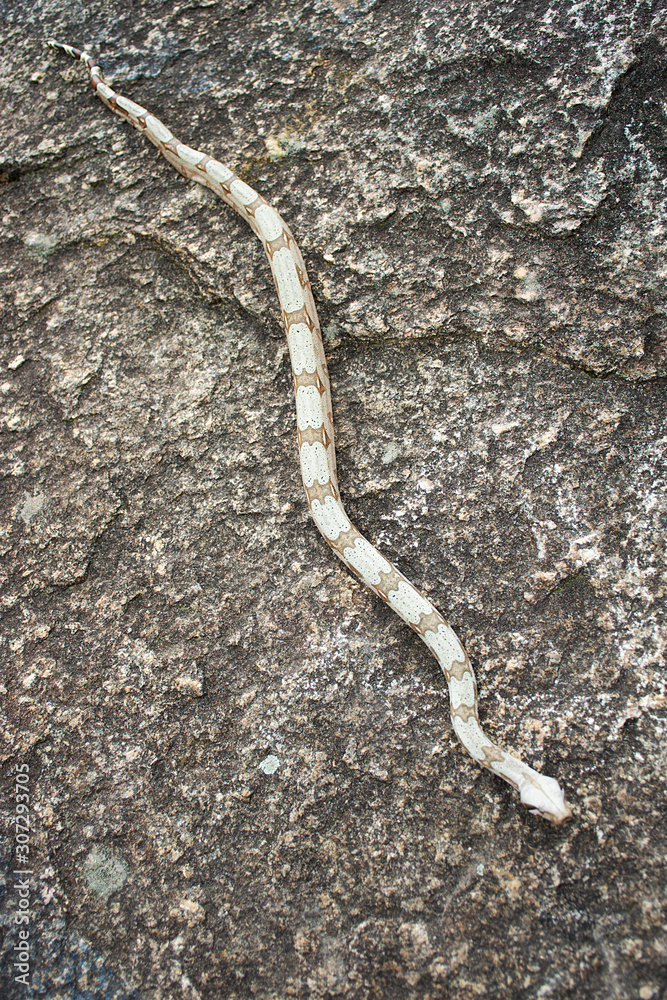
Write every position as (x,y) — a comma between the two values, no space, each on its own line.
(243,781)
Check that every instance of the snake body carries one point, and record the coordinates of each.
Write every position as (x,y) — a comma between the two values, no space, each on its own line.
(541,794)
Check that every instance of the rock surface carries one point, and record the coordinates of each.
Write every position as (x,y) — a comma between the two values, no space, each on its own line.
(243,781)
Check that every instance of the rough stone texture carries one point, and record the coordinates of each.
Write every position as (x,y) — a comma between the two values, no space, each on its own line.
(479,193)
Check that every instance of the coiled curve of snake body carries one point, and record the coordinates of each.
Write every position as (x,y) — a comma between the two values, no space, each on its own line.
(542,795)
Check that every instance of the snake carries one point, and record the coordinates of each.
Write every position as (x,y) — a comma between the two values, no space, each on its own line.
(541,794)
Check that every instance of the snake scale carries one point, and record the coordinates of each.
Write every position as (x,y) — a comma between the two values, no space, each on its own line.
(541,794)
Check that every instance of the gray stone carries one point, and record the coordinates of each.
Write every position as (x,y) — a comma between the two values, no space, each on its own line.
(479,193)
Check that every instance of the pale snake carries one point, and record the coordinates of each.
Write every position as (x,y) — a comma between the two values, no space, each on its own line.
(542,795)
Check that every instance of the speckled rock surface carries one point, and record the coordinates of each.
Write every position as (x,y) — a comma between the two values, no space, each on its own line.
(243,781)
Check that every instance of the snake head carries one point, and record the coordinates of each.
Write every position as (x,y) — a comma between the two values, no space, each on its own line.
(544,797)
